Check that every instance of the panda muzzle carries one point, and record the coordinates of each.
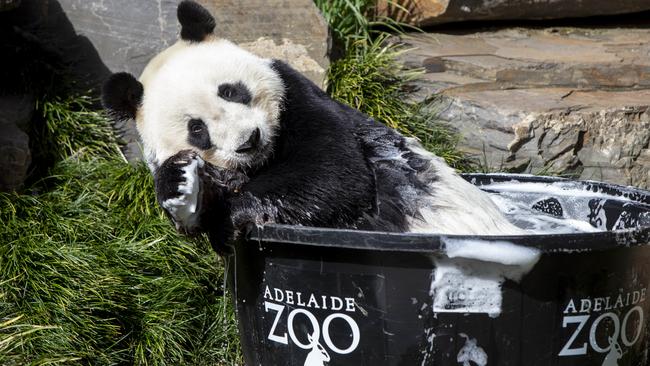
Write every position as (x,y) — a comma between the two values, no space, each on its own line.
(250,144)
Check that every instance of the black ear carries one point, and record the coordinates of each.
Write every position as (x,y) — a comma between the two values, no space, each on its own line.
(122,95)
(196,21)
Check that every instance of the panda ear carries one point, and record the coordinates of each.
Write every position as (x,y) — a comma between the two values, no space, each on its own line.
(196,21)
(122,95)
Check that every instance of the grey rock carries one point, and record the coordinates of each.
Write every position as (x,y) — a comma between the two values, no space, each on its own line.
(430,12)
(17,111)
(562,101)
(15,156)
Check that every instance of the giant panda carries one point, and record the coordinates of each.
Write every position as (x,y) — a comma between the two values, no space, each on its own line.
(234,139)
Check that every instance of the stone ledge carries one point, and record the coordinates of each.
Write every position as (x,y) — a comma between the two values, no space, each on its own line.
(432,12)
(559,100)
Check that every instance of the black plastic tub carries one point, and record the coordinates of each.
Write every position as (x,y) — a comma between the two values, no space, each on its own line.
(311,296)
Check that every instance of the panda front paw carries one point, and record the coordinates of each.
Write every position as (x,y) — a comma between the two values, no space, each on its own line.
(178,189)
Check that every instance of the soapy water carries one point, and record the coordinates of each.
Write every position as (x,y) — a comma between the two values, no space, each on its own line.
(565,207)
(469,277)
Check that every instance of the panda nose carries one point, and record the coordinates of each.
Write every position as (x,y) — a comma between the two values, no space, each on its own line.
(251,143)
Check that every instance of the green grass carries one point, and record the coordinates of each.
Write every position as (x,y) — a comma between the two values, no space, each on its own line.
(347,19)
(352,21)
(93,273)
(371,80)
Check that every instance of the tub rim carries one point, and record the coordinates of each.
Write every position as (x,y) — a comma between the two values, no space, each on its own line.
(432,243)
(435,243)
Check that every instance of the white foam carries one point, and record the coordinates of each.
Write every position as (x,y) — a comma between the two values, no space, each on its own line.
(468,279)
(457,289)
(517,259)
(516,199)
(517,208)
(554,189)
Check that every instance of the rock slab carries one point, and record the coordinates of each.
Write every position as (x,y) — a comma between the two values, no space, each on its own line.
(432,12)
(558,100)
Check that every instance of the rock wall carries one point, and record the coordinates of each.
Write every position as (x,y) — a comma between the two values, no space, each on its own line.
(558,100)
(608,145)
(431,12)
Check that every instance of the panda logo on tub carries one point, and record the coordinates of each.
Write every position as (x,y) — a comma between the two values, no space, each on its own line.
(234,139)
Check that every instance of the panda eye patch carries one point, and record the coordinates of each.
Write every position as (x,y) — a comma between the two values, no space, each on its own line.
(237,93)
(198,135)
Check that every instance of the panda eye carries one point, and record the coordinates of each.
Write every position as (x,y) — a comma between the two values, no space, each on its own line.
(237,93)
(198,134)
(196,125)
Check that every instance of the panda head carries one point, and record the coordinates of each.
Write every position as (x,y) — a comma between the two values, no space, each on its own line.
(203,94)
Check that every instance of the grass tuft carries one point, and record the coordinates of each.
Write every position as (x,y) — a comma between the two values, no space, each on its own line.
(368,77)
(354,22)
(93,273)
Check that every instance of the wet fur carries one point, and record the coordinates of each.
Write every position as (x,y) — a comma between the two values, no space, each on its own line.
(325,164)
(335,167)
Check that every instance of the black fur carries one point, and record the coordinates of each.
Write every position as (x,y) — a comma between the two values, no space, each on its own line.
(196,21)
(198,134)
(214,186)
(400,175)
(332,167)
(237,93)
(122,95)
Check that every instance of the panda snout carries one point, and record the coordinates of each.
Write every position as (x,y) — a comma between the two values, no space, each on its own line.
(251,143)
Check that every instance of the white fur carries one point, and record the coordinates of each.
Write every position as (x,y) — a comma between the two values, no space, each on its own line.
(184,207)
(182,83)
(456,206)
